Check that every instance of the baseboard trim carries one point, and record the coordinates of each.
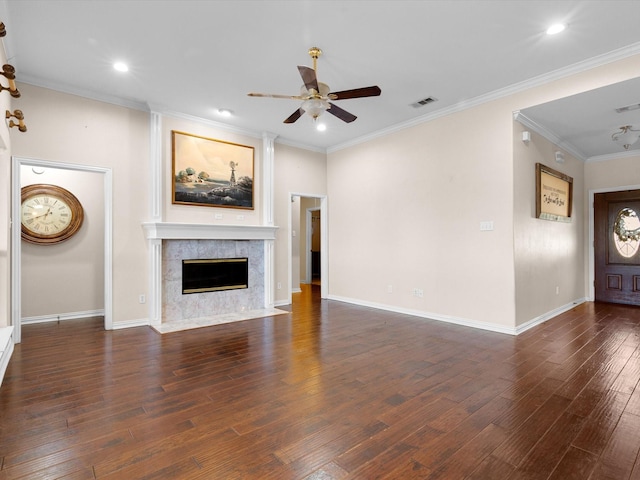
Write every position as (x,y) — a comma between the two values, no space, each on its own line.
(6,349)
(547,316)
(463,321)
(59,317)
(281,303)
(141,322)
(428,315)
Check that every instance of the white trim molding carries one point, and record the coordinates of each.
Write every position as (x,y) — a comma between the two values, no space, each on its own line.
(204,231)
(16,250)
(6,349)
(465,322)
(60,317)
(547,316)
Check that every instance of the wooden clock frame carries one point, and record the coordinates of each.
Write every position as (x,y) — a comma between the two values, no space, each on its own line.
(77,214)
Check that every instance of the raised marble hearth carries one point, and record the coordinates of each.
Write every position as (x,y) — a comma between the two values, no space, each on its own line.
(177,242)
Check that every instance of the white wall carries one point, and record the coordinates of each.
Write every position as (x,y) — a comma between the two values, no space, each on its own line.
(71,129)
(297,252)
(549,256)
(405,211)
(6,103)
(613,173)
(66,279)
(295,171)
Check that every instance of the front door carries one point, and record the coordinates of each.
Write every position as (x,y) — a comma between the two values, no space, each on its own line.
(617,238)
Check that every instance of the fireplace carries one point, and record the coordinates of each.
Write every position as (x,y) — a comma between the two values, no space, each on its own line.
(214,274)
(171,243)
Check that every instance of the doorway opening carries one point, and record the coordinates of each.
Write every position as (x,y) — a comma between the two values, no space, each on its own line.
(609,278)
(313,246)
(308,260)
(617,237)
(104,203)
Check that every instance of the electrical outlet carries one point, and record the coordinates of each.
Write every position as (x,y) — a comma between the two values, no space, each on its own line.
(218,216)
(279,285)
(240,217)
(142,298)
(486,226)
(418,292)
(389,288)
(557,290)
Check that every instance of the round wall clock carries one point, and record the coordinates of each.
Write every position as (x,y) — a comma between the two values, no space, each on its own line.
(49,214)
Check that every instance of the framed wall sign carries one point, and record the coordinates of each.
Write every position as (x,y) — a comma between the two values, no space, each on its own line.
(554,194)
(211,173)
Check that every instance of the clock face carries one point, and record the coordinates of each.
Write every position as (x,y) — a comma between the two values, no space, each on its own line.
(49,214)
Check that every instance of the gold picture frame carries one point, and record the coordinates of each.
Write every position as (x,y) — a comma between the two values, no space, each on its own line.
(210,172)
(554,194)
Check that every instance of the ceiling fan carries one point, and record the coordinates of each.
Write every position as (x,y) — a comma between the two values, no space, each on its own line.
(316,95)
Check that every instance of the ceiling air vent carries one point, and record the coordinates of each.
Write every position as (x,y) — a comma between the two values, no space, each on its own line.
(423,102)
(628,108)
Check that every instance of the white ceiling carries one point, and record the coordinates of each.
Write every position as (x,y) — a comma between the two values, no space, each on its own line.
(584,123)
(194,57)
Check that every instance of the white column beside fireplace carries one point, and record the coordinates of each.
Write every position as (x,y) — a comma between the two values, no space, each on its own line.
(170,243)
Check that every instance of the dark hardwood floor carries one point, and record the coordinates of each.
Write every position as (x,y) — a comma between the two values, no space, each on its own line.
(331,391)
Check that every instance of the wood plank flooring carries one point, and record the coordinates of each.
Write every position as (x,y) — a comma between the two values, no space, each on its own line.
(331,391)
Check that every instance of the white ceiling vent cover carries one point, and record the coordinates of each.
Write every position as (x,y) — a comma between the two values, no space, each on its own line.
(423,102)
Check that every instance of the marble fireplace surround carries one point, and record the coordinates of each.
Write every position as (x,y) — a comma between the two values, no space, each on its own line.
(170,243)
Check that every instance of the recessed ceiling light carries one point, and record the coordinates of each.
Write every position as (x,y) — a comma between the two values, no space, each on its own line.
(121,67)
(224,112)
(556,28)
(321,127)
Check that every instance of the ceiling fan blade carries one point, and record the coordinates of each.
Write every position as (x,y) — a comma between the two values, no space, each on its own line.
(273,95)
(341,114)
(373,91)
(294,116)
(309,77)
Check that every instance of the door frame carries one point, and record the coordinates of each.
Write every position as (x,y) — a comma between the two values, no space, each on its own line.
(324,244)
(592,247)
(16,246)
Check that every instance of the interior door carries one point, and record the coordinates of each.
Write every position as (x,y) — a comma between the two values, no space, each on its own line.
(617,238)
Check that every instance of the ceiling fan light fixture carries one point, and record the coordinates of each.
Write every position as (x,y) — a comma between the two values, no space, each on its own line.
(314,107)
(627,136)
(317,97)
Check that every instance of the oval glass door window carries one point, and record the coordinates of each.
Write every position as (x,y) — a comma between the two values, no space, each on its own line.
(626,232)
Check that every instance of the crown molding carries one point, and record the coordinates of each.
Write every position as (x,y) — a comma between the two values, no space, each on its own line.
(538,81)
(614,156)
(79,92)
(291,143)
(549,135)
(211,123)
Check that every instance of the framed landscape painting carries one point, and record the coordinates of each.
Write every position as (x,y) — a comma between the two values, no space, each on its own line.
(210,172)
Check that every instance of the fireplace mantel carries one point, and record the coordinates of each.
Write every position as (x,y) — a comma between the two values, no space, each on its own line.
(203,231)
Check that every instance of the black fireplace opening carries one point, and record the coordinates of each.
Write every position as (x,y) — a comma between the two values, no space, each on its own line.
(214,274)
